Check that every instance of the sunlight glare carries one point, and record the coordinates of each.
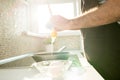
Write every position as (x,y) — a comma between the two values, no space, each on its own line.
(40,14)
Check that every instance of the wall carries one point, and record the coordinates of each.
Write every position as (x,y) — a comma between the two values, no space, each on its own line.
(13,21)
(71,42)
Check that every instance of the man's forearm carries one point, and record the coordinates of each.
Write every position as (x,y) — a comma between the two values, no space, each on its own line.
(107,13)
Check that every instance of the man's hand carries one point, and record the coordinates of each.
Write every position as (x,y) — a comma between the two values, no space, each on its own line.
(59,23)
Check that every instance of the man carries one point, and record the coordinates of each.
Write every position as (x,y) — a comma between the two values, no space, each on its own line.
(101,34)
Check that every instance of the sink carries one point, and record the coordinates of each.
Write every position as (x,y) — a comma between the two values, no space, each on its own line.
(51,56)
(55,64)
(57,56)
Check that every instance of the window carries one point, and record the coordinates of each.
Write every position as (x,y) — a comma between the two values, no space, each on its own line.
(39,14)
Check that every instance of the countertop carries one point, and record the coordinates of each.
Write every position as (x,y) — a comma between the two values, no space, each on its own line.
(85,72)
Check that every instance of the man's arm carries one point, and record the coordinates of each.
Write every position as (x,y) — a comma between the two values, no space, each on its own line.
(107,13)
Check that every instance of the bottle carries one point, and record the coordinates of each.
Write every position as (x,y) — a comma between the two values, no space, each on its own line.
(53,36)
(53,33)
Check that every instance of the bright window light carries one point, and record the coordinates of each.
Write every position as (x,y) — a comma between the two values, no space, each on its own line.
(40,15)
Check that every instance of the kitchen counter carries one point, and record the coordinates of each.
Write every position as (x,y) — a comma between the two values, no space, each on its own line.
(85,72)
